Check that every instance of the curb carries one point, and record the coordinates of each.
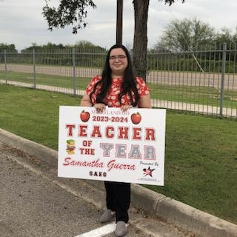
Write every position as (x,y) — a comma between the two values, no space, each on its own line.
(172,211)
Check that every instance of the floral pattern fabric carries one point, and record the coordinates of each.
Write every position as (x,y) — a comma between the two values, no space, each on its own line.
(112,98)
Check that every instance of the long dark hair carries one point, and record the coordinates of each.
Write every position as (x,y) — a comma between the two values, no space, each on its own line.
(128,84)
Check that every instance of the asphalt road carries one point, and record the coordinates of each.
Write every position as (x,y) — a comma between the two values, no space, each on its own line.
(35,202)
(175,78)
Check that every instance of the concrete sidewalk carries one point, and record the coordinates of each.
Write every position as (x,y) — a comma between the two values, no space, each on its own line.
(170,210)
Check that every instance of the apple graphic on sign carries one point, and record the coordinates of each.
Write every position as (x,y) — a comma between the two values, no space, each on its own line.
(136,118)
(84,116)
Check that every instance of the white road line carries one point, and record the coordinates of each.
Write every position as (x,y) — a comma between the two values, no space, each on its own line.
(100,232)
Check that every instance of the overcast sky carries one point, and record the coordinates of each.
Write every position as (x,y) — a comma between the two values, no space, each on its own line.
(22,22)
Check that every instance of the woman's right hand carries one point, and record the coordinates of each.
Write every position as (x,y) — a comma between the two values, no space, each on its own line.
(99,107)
(124,108)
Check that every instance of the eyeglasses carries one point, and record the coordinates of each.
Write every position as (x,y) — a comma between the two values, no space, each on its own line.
(119,57)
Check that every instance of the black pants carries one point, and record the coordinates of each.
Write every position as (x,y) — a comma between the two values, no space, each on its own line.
(118,198)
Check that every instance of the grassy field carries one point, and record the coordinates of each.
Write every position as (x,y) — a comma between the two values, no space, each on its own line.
(180,93)
(200,155)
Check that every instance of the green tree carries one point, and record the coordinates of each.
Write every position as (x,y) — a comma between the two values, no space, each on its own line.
(185,35)
(84,45)
(74,12)
(226,36)
(47,47)
(8,47)
(80,45)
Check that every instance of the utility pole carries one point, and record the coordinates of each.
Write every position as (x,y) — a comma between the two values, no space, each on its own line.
(119,23)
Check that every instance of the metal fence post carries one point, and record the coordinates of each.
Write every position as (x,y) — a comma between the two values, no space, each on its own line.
(34,71)
(74,70)
(223,78)
(5,62)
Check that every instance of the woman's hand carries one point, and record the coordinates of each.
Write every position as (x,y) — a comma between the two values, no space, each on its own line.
(99,107)
(125,107)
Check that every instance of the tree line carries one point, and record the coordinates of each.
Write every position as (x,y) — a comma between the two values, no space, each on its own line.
(51,47)
(193,34)
(179,37)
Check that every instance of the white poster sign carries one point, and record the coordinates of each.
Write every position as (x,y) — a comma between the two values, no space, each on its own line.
(112,145)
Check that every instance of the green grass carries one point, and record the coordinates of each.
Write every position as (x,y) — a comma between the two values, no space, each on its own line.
(200,155)
(201,163)
(179,93)
(202,95)
(45,79)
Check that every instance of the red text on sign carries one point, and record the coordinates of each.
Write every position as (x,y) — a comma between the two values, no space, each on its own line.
(121,132)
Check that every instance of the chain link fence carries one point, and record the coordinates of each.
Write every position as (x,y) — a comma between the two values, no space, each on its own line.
(202,81)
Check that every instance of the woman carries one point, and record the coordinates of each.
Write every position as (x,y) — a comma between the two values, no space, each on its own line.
(117,87)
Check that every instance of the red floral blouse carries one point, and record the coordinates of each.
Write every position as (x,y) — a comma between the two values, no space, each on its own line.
(112,97)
